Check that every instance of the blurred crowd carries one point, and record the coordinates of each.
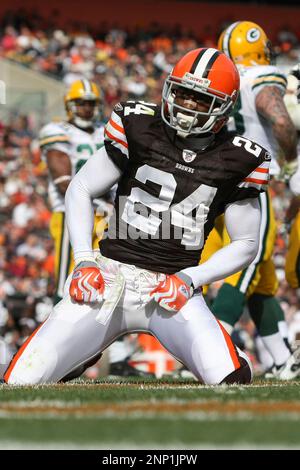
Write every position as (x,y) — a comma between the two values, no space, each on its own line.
(126,65)
(26,251)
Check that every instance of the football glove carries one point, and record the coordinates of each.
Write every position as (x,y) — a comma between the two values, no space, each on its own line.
(87,283)
(174,292)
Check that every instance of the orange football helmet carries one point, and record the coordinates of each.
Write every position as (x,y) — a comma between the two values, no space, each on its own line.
(214,78)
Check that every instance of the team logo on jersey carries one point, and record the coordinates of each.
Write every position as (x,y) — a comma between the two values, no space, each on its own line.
(77,275)
(268,156)
(188,155)
(253,35)
(118,107)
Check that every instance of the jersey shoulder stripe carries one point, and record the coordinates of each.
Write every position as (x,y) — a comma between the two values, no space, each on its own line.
(53,139)
(270,79)
(115,133)
(53,133)
(272,74)
(258,178)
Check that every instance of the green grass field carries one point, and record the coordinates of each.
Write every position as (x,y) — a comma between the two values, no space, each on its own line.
(150,415)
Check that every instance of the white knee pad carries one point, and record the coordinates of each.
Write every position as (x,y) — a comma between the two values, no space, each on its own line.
(35,365)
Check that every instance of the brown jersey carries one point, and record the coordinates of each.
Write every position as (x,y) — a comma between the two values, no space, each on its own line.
(171,190)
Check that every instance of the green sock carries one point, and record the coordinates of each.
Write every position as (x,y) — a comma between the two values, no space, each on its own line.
(56,299)
(208,301)
(265,311)
(229,304)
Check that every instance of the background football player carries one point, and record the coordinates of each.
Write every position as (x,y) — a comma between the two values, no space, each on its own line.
(176,172)
(260,114)
(66,146)
(292,266)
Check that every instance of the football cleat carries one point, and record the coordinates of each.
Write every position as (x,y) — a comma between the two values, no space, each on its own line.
(272,372)
(287,371)
(125,369)
(183,373)
(74,374)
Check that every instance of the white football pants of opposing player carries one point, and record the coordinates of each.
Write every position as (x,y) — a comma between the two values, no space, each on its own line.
(76,332)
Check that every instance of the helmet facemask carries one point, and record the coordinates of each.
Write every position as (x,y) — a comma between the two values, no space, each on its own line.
(190,121)
(82,121)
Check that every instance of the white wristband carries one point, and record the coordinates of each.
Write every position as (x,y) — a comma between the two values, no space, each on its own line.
(80,260)
(84,256)
(61,179)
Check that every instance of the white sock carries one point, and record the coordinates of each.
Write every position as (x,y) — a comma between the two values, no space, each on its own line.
(283,329)
(264,356)
(277,348)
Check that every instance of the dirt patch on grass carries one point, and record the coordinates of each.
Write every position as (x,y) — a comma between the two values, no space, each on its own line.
(157,408)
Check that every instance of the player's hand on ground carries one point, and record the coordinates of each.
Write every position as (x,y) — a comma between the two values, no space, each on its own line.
(174,292)
(87,283)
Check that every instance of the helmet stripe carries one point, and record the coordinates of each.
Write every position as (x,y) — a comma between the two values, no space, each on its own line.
(227,37)
(86,85)
(83,84)
(205,62)
(210,63)
(196,61)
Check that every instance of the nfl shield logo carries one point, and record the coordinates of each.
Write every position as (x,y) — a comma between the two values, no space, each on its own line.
(188,155)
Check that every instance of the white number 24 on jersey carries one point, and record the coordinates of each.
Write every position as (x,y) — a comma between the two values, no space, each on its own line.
(192,233)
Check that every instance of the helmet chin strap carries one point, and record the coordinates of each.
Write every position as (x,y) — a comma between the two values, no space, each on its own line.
(185,121)
(82,123)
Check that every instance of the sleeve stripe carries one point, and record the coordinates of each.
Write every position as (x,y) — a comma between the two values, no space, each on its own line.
(260,174)
(117,120)
(115,133)
(53,139)
(257,186)
(279,85)
(255,180)
(116,126)
(262,170)
(271,75)
(123,150)
(258,178)
(271,78)
(112,137)
(267,81)
(257,175)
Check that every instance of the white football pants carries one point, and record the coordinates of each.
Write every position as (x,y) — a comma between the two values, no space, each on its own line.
(74,333)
